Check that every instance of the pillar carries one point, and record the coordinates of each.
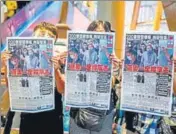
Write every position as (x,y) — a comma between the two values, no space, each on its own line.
(135,15)
(62,27)
(170,13)
(158,15)
(118,24)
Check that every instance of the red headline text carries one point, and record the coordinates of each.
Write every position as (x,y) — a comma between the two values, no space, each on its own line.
(91,68)
(30,72)
(149,69)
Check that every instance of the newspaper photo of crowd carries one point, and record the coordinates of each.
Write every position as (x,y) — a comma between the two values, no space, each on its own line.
(89,51)
(24,57)
(148,52)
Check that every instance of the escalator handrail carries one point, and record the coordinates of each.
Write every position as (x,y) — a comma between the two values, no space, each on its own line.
(26,23)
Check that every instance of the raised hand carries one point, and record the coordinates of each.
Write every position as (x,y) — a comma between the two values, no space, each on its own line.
(117,63)
(5,56)
(59,59)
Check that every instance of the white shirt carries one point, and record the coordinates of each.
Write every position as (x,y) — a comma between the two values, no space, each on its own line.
(3,11)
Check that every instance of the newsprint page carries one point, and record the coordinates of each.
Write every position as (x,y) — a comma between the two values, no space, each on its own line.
(148,73)
(88,70)
(30,74)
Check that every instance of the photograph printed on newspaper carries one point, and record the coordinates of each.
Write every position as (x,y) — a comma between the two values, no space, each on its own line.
(148,73)
(88,69)
(30,74)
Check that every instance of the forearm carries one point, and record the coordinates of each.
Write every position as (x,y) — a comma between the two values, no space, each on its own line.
(174,84)
(60,81)
(5,74)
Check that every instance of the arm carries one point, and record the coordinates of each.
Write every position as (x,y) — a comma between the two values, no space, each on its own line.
(5,74)
(174,85)
(60,81)
(5,56)
(59,77)
(174,80)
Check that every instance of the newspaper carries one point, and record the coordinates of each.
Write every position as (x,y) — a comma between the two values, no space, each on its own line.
(148,73)
(30,74)
(89,71)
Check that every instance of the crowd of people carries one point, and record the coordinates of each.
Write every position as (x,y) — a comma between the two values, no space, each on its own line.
(87,52)
(25,58)
(51,122)
(148,54)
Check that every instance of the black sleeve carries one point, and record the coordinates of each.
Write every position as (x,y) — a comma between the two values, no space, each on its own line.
(9,121)
(73,112)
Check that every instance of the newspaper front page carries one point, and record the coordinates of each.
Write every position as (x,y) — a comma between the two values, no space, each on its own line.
(30,74)
(88,75)
(148,73)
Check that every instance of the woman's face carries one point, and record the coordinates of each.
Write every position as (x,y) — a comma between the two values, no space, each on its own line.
(100,28)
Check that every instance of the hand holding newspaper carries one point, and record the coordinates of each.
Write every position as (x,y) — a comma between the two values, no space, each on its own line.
(148,73)
(30,74)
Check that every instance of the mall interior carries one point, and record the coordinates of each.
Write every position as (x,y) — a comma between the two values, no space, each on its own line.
(18,18)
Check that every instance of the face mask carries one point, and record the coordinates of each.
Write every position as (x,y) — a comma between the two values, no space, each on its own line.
(129,58)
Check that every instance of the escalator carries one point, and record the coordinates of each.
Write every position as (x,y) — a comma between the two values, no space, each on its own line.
(35,12)
(28,17)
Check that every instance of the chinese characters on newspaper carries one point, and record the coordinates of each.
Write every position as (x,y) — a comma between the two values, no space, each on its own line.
(30,74)
(147,73)
(88,75)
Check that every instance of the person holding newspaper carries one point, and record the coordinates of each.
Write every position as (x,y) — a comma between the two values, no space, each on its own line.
(49,122)
(79,125)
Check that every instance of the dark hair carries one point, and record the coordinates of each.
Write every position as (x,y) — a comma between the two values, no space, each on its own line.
(133,52)
(109,25)
(26,51)
(74,50)
(97,23)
